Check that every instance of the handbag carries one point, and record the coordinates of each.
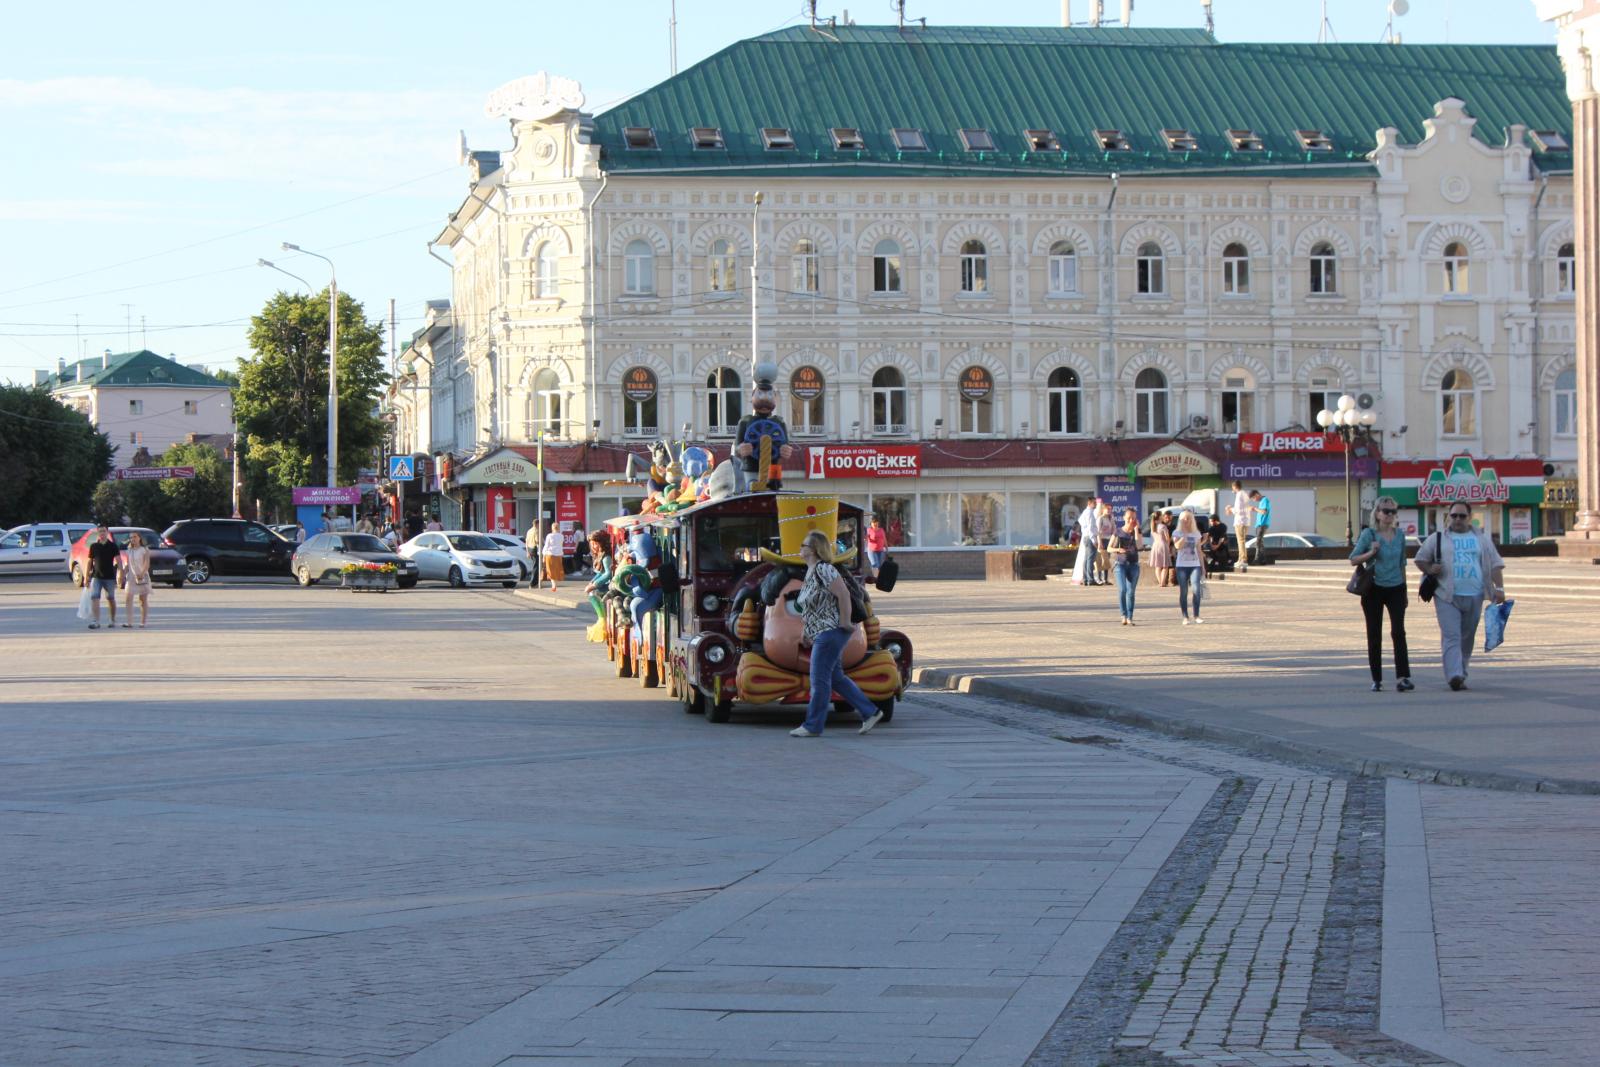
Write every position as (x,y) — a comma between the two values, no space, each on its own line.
(1360,583)
(1430,584)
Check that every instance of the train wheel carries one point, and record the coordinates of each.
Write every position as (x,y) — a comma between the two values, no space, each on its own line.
(694,701)
(718,711)
(624,660)
(887,707)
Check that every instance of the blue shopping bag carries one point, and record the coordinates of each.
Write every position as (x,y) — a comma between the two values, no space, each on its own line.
(1494,624)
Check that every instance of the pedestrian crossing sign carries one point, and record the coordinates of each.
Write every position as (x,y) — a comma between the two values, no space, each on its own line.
(402,468)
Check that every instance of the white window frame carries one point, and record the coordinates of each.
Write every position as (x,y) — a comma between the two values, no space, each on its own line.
(1060,401)
(890,397)
(1322,396)
(633,416)
(1324,270)
(545,404)
(888,267)
(974,267)
(722,266)
(639,268)
(809,418)
(725,395)
(1062,270)
(1239,385)
(546,271)
(191,407)
(1150,401)
(1564,404)
(1457,270)
(1150,270)
(1235,270)
(1566,269)
(977,416)
(136,407)
(805,268)
(1458,400)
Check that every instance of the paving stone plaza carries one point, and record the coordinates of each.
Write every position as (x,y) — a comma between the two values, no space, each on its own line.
(295,826)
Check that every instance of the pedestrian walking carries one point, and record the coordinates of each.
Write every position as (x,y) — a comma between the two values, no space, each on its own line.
(1161,561)
(1242,512)
(1263,506)
(1469,570)
(433,525)
(101,574)
(365,524)
(1105,530)
(1191,577)
(1088,526)
(877,545)
(824,603)
(555,547)
(1382,547)
(136,580)
(1125,544)
(533,538)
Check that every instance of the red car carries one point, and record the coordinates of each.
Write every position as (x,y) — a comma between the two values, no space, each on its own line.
(166,562)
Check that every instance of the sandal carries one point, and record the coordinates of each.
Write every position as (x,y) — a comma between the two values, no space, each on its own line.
(127,626)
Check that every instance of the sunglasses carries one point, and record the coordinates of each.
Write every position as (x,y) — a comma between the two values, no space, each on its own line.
(1460,515)
(1387,511)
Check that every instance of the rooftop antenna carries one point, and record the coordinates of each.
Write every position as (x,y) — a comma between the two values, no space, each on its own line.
(672,37)
(144,338)
(1211,25)
(1096,12)
(900,13)
(127,326)
(1325,30)
(1396,9)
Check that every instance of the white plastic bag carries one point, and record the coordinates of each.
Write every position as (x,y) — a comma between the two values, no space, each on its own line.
(86,602)
(1494,624)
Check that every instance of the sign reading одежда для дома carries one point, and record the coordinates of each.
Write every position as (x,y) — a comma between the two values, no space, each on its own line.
(864,461)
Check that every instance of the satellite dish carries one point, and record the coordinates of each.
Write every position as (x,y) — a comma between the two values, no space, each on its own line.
(1399,7)
(1365,400)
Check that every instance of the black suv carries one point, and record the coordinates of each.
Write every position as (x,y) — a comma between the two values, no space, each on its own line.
(228,546)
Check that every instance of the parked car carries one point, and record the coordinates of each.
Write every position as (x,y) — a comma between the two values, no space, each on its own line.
(323,556)
(227,546)
(1296,540)
(166,564)
(40,547)
(518,550)
(461,557)
(290,531)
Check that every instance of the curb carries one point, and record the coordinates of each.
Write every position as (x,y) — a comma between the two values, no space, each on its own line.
(547,598)
(952,680)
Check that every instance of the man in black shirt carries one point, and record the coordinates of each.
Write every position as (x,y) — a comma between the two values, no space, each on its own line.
(104,556)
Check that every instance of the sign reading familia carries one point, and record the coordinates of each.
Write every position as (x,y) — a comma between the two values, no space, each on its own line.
(864,461)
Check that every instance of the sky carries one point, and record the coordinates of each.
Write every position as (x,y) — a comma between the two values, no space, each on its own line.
(153,153)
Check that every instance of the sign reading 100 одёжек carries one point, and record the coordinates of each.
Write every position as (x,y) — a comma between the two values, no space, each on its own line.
(864,461)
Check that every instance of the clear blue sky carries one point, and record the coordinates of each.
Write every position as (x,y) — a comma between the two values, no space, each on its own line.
(153,158)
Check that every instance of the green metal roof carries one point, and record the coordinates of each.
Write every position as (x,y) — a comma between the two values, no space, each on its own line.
(134,369)
(1072,81)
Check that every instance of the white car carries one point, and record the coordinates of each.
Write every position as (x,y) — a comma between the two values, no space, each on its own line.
(518,550)
(460,557)
(40,548)
(1295,540)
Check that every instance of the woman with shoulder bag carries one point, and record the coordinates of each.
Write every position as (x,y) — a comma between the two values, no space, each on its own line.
(1382,548)
(824,603)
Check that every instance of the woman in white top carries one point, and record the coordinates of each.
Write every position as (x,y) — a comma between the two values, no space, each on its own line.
(555,547)
(824,603)
(136,572)
(1186,549)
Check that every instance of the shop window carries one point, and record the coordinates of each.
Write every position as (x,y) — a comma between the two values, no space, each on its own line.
(1566,403)
(1324,396)
(724,402)
(1457,282)
(1027,519)
(941,520)
(974,267)
(1064,510)
(805,267)
(1566,269)
(1235,270)
(983,518)
(1150,270)
(1063,269)
(1238,403)
(546,267)
(639,268)
(544,405)
(1150,403)
(807,392)
(886,267)
(897,514)
(1324,270)
(888,401)
(1458,402)
(721,267)
(1064,401)
(975,395)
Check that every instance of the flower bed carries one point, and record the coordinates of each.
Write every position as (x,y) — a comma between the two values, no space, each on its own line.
(364,575)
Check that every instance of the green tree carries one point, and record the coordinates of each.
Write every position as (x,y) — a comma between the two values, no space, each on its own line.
(51,458)
(209,493)
(281,403)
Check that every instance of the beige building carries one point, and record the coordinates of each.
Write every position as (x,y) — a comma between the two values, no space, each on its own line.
(1034,296)
(143,400)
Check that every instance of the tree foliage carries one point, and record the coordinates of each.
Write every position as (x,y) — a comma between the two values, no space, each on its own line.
(159,503)
(281,403)
(51,458)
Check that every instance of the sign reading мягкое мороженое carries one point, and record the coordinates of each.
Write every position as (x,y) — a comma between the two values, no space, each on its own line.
(1253,443)
(864,461)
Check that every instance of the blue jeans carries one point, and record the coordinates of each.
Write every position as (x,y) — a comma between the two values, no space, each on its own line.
(1127,576)
(1188,576)
(828,678)
(876,559)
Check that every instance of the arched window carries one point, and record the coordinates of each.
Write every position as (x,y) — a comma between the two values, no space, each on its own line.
(1458,404)
(1150,270)
(807,392)
(1063,269)
(546,265)
(1064,401)
(1235,270)
(724,402)
(1566,269)
(886,267)
(1566,403)
(1455,268)
(974,267)
(888,401)
(1324,396)
(638,268)
(1150,403)
(721,267)
(544,402)
(1238,403)
(805,268)
(1324,269)
(975,396)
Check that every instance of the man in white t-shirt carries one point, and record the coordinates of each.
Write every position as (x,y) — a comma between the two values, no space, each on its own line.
(1243,513)
(1088,533)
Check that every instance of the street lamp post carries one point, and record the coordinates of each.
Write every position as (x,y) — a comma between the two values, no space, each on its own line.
(1351,425)
(333,360)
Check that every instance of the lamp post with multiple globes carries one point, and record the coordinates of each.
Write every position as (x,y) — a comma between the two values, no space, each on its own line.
(1351,424)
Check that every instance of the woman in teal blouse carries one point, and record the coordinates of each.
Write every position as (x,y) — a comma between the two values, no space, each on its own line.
(1383,546)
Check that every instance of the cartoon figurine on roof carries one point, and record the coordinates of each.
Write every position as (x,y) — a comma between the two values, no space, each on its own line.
(762,438)
(639,579)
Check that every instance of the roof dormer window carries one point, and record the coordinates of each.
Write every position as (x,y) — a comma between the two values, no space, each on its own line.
(1180,141)
(706,137)
(976,140)
(1314,140)
(1111,140)
(776,138)
(1042,140)
(848,139)
(908,139)
(1245,141)
(1549,140)
(639,137)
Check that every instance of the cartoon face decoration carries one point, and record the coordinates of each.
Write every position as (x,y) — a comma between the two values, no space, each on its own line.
(642,547)
(695,461)
(782,627)
(763,398)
